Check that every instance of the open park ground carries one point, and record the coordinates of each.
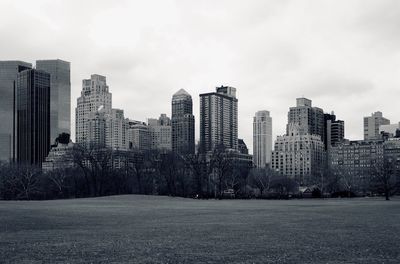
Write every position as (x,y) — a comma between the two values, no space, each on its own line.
(155,229)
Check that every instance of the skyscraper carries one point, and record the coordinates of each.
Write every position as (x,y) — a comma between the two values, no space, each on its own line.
(310,119)
(116,129)
(8,78)
(60,95)
(33,116)
(218,119)
(96,130)
(262,139)
(94,96)
(371,125)
(333,131)
(182,122)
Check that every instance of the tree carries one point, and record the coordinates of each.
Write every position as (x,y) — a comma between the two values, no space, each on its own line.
(59,179)
(197,166)
(26,181)
(283,186)
(385,178)
(345,178)
(260,178)
(96,163)
(221,161)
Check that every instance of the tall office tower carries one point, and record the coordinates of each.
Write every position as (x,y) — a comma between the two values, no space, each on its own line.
(219,119)
(8,78)
(333,130)
(33,116)
(160,133)
(94,96)
(182,121)
(138,136)
(116,128)
(60,95)
(371,125)
(299,156)
(262,139)
(310,119)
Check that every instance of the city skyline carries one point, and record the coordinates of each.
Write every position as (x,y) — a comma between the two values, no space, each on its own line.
(192,48)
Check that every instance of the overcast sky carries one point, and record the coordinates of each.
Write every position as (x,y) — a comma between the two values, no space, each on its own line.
(344,55)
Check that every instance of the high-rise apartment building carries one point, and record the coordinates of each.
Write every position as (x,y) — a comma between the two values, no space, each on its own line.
(96,136)
(299,156)
(8,78)
(371,125)
(309,119)
(160,133)
(182,122)
(60,95)
(116,130)
(95,96)
(33,116)
(333,131)
(262,139)
(219,119)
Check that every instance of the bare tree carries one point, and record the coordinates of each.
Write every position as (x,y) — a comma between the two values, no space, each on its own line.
(261,179)
(59,179)
(385,178)
(197,166)
(27,181)
(222,166)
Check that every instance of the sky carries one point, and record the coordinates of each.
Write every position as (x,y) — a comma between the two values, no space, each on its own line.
(344,55)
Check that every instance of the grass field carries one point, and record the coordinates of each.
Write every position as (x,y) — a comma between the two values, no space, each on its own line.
(149,229)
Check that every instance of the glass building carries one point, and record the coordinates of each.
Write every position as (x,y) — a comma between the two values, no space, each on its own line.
(8,77)
(60,95)
(33,116)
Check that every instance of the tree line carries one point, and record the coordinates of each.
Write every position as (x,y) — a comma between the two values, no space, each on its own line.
(100,171)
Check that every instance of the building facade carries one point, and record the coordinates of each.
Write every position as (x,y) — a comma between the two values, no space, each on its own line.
(218,119)
(97,132)
(160,133)
(138,136)
(8,78)
(262,139)
(182,123)
(116,130)
(60,157)
(310,120)
(299,156)
(391,153)
(95,96)
(371,125)
(390,130)
(33,116)
(333,131)
(60,95)
(356,161)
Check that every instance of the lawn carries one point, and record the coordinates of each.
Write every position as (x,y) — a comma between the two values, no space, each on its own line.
(151,229)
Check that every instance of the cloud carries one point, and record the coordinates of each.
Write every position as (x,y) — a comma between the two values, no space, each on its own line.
(344,55)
